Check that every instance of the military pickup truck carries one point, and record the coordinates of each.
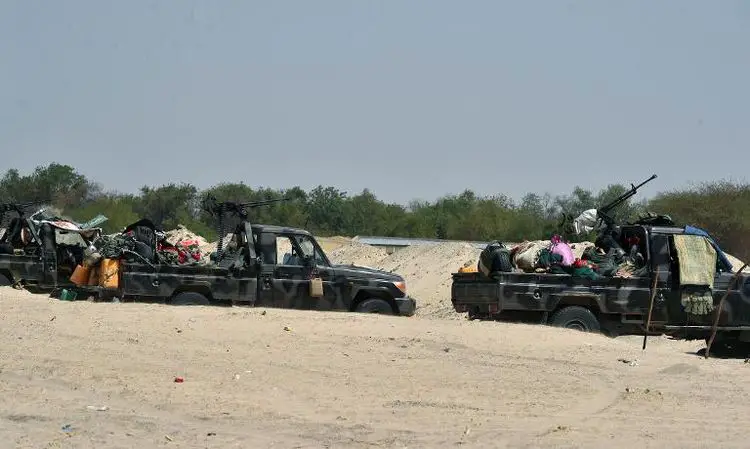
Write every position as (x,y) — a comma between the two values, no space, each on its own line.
(254,271)
(614,305)
(39,252)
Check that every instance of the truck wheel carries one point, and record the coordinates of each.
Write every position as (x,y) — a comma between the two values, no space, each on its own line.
(4,281)
(374,305)
(575,317)
(190,299)
(727,346)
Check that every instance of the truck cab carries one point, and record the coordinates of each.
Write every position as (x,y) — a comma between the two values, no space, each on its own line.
(270,266)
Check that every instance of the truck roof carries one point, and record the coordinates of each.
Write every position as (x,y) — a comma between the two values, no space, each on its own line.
(279,229)
(664,229)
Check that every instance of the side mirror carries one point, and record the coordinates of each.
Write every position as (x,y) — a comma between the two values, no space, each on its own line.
(308,261)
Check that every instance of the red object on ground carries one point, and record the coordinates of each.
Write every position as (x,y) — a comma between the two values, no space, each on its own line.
(179,380)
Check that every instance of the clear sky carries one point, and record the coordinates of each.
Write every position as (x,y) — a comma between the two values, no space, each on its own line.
(412,99)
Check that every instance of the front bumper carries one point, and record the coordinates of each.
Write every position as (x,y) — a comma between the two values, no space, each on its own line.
(406,306)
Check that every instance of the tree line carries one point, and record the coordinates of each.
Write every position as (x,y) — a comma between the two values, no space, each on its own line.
(722,208)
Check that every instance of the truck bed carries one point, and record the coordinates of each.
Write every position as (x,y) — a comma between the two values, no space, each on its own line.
(183,270)
(542,292)
(161,281)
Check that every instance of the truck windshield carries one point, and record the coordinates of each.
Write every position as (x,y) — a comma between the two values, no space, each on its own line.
(309,249)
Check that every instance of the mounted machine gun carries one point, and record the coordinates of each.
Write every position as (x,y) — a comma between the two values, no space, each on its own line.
(220,209)
(19,208)
(603,213)
(599,219)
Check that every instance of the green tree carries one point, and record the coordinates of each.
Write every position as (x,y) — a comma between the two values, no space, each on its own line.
(119,210)
(168,205)
(56,184)
(325,210)
(721,208)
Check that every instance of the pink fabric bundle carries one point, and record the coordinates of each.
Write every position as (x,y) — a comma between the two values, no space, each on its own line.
(563,249)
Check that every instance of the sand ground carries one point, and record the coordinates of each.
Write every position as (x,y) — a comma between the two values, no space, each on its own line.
(84,375)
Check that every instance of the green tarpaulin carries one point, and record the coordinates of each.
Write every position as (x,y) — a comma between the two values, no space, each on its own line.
(697,261)
(697,258)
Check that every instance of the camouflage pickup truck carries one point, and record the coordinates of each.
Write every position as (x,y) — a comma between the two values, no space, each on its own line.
(255,272)
(40,253)
(616,305)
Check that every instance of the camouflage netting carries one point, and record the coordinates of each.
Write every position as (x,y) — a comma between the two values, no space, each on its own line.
(112,246)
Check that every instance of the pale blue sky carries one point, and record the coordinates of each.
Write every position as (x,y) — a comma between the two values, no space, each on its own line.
(413,99)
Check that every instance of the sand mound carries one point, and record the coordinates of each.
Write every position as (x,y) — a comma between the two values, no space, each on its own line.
(737,263)
(331,243)
(358,254)
(7,292)
(426,268)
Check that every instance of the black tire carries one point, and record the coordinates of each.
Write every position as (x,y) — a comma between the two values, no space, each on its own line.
(374,305)
(504,262)
(190,299)
(729,346)
(4,281)
(575,317)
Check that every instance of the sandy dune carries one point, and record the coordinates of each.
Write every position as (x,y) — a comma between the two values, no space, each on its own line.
(282,378)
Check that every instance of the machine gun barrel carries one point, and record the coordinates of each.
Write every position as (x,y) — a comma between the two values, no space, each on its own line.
(603,212)
(252,204)
(20,208)
(218,207)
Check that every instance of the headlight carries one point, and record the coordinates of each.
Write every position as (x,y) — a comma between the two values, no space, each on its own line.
(401,285)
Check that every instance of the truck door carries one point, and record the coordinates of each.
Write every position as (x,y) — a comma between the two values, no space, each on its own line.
(242,282)
(316,265)
(666,292)
(291,277)
(267,256)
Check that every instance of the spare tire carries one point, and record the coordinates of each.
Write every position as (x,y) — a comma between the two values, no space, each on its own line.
(4,280)
(494,258)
